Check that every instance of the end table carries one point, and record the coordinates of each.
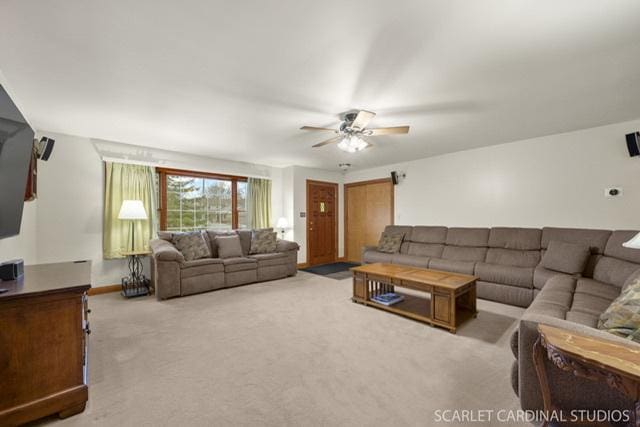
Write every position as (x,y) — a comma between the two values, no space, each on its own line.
(136,284)
(612,363)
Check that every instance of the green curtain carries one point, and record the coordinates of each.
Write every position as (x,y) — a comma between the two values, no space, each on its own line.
(127,182)
(259,202)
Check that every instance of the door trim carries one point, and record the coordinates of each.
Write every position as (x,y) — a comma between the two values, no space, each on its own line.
(346,211)
(335,220)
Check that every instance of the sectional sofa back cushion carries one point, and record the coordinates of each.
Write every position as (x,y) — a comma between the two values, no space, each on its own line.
(623,315)
(229,246)
(569,258)
(516,247)
(193,245)
(425,241)
(263,241)
(466,244)
(618,262)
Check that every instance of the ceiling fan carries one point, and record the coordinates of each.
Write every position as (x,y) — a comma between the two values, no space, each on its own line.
(352,130)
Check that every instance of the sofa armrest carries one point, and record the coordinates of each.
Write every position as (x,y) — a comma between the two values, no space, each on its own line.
(365,249)
(163,250)
(286,245)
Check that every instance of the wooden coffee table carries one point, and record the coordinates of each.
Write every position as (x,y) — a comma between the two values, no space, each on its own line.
(442,298)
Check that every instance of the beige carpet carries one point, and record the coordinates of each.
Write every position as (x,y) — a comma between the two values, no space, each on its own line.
(289,352)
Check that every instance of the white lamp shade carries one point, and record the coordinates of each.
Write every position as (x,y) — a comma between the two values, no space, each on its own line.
(634,243)
(282,222)
(132,209)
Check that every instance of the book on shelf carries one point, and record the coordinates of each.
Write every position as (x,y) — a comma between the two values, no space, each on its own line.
(389,298)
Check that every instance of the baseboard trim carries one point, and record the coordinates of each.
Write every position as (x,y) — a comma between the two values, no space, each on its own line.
(303,265)
(104,289)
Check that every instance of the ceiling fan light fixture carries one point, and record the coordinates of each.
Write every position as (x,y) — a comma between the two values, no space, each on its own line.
(351,144)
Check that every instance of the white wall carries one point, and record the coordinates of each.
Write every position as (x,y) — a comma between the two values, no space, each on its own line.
(300,177)
(70,197)
(556,180)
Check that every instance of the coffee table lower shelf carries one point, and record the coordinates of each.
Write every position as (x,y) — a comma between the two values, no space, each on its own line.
(419,308)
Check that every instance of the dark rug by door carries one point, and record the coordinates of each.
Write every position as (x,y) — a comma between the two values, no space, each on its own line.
(336,270)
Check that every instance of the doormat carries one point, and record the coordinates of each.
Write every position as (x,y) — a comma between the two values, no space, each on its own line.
(336,270)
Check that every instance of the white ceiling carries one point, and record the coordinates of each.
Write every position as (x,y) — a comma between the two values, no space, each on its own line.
(236,79)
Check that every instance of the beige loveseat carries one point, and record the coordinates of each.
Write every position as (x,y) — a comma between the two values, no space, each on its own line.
(172,276)
(507,262)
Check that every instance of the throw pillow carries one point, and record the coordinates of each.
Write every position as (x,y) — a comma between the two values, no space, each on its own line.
(229,246)
(263,241)
(390,242)
(192,245)
(623,315)
(212,234)
(570,258)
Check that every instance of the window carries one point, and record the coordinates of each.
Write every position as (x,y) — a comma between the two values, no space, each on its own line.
(194,201)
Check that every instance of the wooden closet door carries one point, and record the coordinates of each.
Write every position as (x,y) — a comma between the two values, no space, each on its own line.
(368,210)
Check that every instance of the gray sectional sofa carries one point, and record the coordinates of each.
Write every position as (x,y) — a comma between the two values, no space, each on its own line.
(172,276)
(507,262)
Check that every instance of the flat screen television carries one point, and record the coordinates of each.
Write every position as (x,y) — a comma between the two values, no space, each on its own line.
(16,145)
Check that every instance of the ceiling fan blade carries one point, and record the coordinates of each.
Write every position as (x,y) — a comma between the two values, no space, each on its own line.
(316,128)
(388,131)
(362,119)
(328,141)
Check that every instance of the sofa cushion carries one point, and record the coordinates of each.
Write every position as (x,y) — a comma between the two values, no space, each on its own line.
(615,249)
(424,249)
(263,241)
(460,253)
(212,234)
(239,264)
(524,239)
(245,239)
(390,242)
(515,258)
(229,246)
(192,245)
(165,235)
(595,288)
(622,317)
(541,275)
(590,304)
(274,258)
(504,274)
(512,295)
(427,234)
(412,260)
(199,267)
(373,255)
(586,319)
(595,239)
(570,258)
(453,266)
(614,271)
(459,236)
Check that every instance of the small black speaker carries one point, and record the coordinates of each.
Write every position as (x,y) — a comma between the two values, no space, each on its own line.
(11,270)
(45,148)
(394,177)
(633,143)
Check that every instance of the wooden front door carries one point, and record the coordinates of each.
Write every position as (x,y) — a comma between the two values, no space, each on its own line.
(322,225)
(368,210)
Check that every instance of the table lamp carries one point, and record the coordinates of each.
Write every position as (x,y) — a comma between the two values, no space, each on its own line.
(132,210)
(282,224)
(634,243)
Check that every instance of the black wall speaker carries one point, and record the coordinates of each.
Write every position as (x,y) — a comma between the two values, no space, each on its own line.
(45,147)
(633,143)
(394,177)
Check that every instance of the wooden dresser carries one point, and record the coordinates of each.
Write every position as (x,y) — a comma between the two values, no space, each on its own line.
(43,342)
